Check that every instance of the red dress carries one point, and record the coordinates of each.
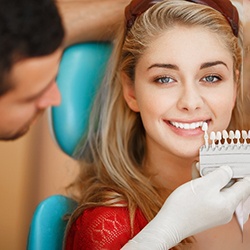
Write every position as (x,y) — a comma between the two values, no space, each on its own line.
(103,228)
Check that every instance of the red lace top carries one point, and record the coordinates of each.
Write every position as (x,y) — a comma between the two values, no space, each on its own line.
(103,228)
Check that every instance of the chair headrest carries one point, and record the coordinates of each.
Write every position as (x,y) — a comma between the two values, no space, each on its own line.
(80,73)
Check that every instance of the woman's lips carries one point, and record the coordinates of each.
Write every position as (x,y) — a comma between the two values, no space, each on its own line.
(187,128)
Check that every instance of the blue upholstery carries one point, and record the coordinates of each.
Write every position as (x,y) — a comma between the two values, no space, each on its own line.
(80,73)
(48,223)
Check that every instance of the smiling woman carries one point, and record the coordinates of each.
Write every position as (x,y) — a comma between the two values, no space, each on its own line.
(176,65)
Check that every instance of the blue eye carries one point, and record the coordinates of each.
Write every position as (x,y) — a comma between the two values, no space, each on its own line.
(164,80)
(211,79)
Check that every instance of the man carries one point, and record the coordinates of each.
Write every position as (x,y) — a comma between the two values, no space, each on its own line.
(31,44)
(31,37)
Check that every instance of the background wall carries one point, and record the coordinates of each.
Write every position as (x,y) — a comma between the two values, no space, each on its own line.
(32,168)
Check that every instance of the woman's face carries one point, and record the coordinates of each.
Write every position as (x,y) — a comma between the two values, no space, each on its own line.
(184,78)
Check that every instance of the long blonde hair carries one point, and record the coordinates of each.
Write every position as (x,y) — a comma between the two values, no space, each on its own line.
(112,152)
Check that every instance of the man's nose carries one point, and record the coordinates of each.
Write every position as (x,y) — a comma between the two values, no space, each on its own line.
(51,97)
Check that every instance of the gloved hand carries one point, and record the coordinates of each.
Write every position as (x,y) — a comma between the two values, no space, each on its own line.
(193,207)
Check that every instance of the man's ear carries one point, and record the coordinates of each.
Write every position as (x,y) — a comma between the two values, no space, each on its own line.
(129,92)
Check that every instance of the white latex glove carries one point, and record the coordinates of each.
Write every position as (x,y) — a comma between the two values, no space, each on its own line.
(194,207)
(242,213)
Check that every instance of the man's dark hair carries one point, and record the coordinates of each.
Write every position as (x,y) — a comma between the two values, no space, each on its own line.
(28,28)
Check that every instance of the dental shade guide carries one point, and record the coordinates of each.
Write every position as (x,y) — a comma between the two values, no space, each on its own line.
(232,149)
(205,128)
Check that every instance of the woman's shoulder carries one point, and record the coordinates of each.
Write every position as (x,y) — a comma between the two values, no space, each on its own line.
(110,218)
(101,227)
(106,217)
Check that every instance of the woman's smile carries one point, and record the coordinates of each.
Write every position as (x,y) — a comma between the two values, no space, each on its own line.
(187,128)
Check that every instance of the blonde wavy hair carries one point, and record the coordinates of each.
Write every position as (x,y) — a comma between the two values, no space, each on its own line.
(112,152)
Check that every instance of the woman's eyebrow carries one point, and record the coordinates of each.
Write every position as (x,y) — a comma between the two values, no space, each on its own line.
(211,64)
(163,65)
(175,67)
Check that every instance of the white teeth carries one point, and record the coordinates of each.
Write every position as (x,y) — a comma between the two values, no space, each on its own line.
(192,125)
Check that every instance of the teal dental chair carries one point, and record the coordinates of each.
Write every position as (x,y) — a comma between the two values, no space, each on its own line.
(81,70)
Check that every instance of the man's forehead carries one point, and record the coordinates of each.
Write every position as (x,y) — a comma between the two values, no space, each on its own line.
(33,73)
(25,67)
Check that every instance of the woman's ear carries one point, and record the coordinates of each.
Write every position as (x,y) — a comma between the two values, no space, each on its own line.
(129,92)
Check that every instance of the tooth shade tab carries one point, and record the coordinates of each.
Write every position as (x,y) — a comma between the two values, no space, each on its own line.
(218,137)
(225,136)
(231,136)
(244,136)
(212,138)
(204,126)
(237,136)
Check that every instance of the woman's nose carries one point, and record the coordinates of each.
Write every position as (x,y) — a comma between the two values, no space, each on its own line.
(190,98)
(51,97)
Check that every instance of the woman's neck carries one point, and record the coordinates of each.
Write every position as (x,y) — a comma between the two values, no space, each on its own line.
(168,171)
